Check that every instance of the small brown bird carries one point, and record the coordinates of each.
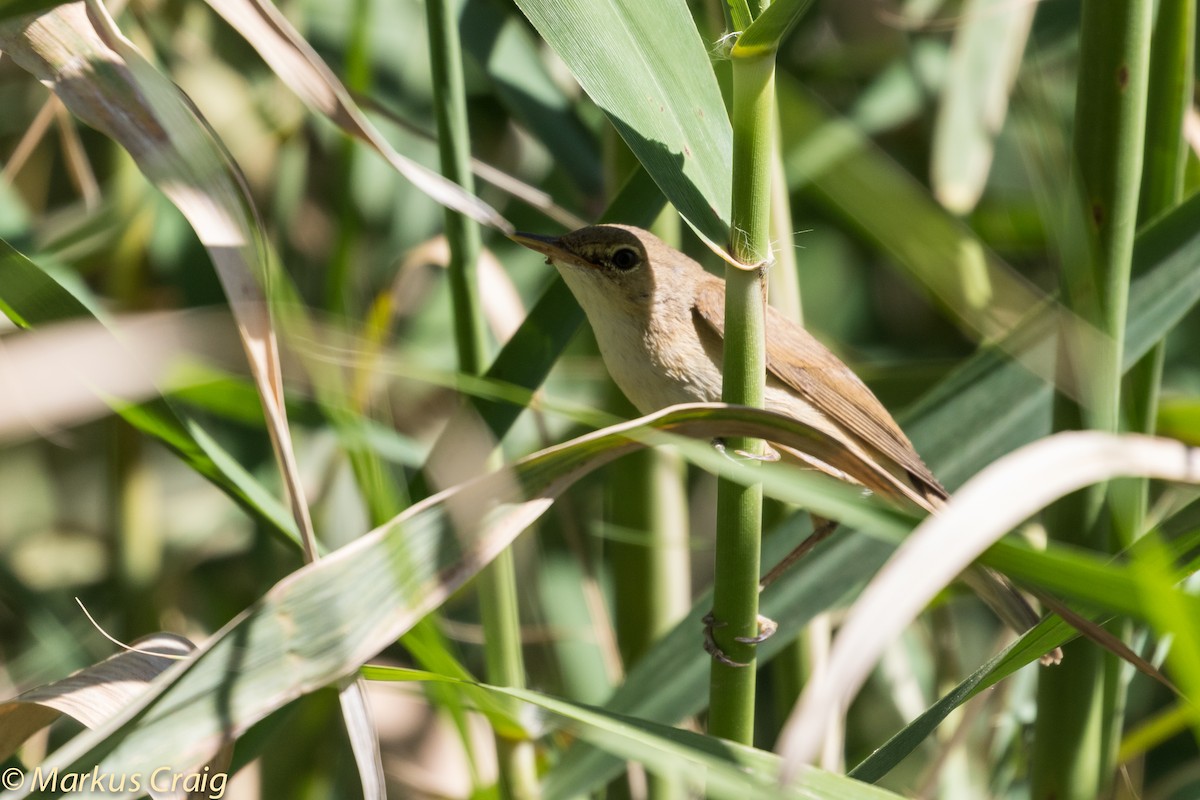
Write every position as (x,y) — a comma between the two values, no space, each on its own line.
(659,319)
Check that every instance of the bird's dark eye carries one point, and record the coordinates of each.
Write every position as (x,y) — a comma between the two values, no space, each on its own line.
(625,258)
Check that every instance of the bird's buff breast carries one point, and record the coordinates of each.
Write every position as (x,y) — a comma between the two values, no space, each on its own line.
(654,371)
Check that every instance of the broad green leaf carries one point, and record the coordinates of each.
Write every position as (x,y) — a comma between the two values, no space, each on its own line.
(984,60)
(643,63)
(712,767)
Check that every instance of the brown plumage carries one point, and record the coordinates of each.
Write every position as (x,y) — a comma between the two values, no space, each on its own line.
(828,385)
(659,319)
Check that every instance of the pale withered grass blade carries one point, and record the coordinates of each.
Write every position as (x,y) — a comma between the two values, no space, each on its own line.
(504,181)
(92,695)
(63,375)
(985,509)
(296,63)
(103,79)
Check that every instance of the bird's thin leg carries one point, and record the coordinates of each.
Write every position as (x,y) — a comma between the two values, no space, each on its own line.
(822,530)
(771,455)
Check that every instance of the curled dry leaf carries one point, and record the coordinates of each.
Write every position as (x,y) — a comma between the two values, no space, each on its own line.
(97,694)
(92,695)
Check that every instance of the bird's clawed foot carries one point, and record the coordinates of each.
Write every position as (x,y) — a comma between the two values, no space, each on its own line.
(770,455)
(766,628)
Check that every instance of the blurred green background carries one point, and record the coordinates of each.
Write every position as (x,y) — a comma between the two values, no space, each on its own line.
(95,510)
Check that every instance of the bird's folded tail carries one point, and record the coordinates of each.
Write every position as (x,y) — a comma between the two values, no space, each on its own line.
(1009,604)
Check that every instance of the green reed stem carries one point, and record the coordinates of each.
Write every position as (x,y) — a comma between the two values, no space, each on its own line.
(739,508)
(1075,744)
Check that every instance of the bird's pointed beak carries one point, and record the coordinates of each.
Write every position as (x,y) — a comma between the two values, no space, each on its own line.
(551,247)
(546,245)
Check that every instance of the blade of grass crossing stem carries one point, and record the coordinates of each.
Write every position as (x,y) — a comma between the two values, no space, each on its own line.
(1077,727)
(309,631)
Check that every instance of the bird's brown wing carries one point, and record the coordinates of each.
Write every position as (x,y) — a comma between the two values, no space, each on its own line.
(823,381)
